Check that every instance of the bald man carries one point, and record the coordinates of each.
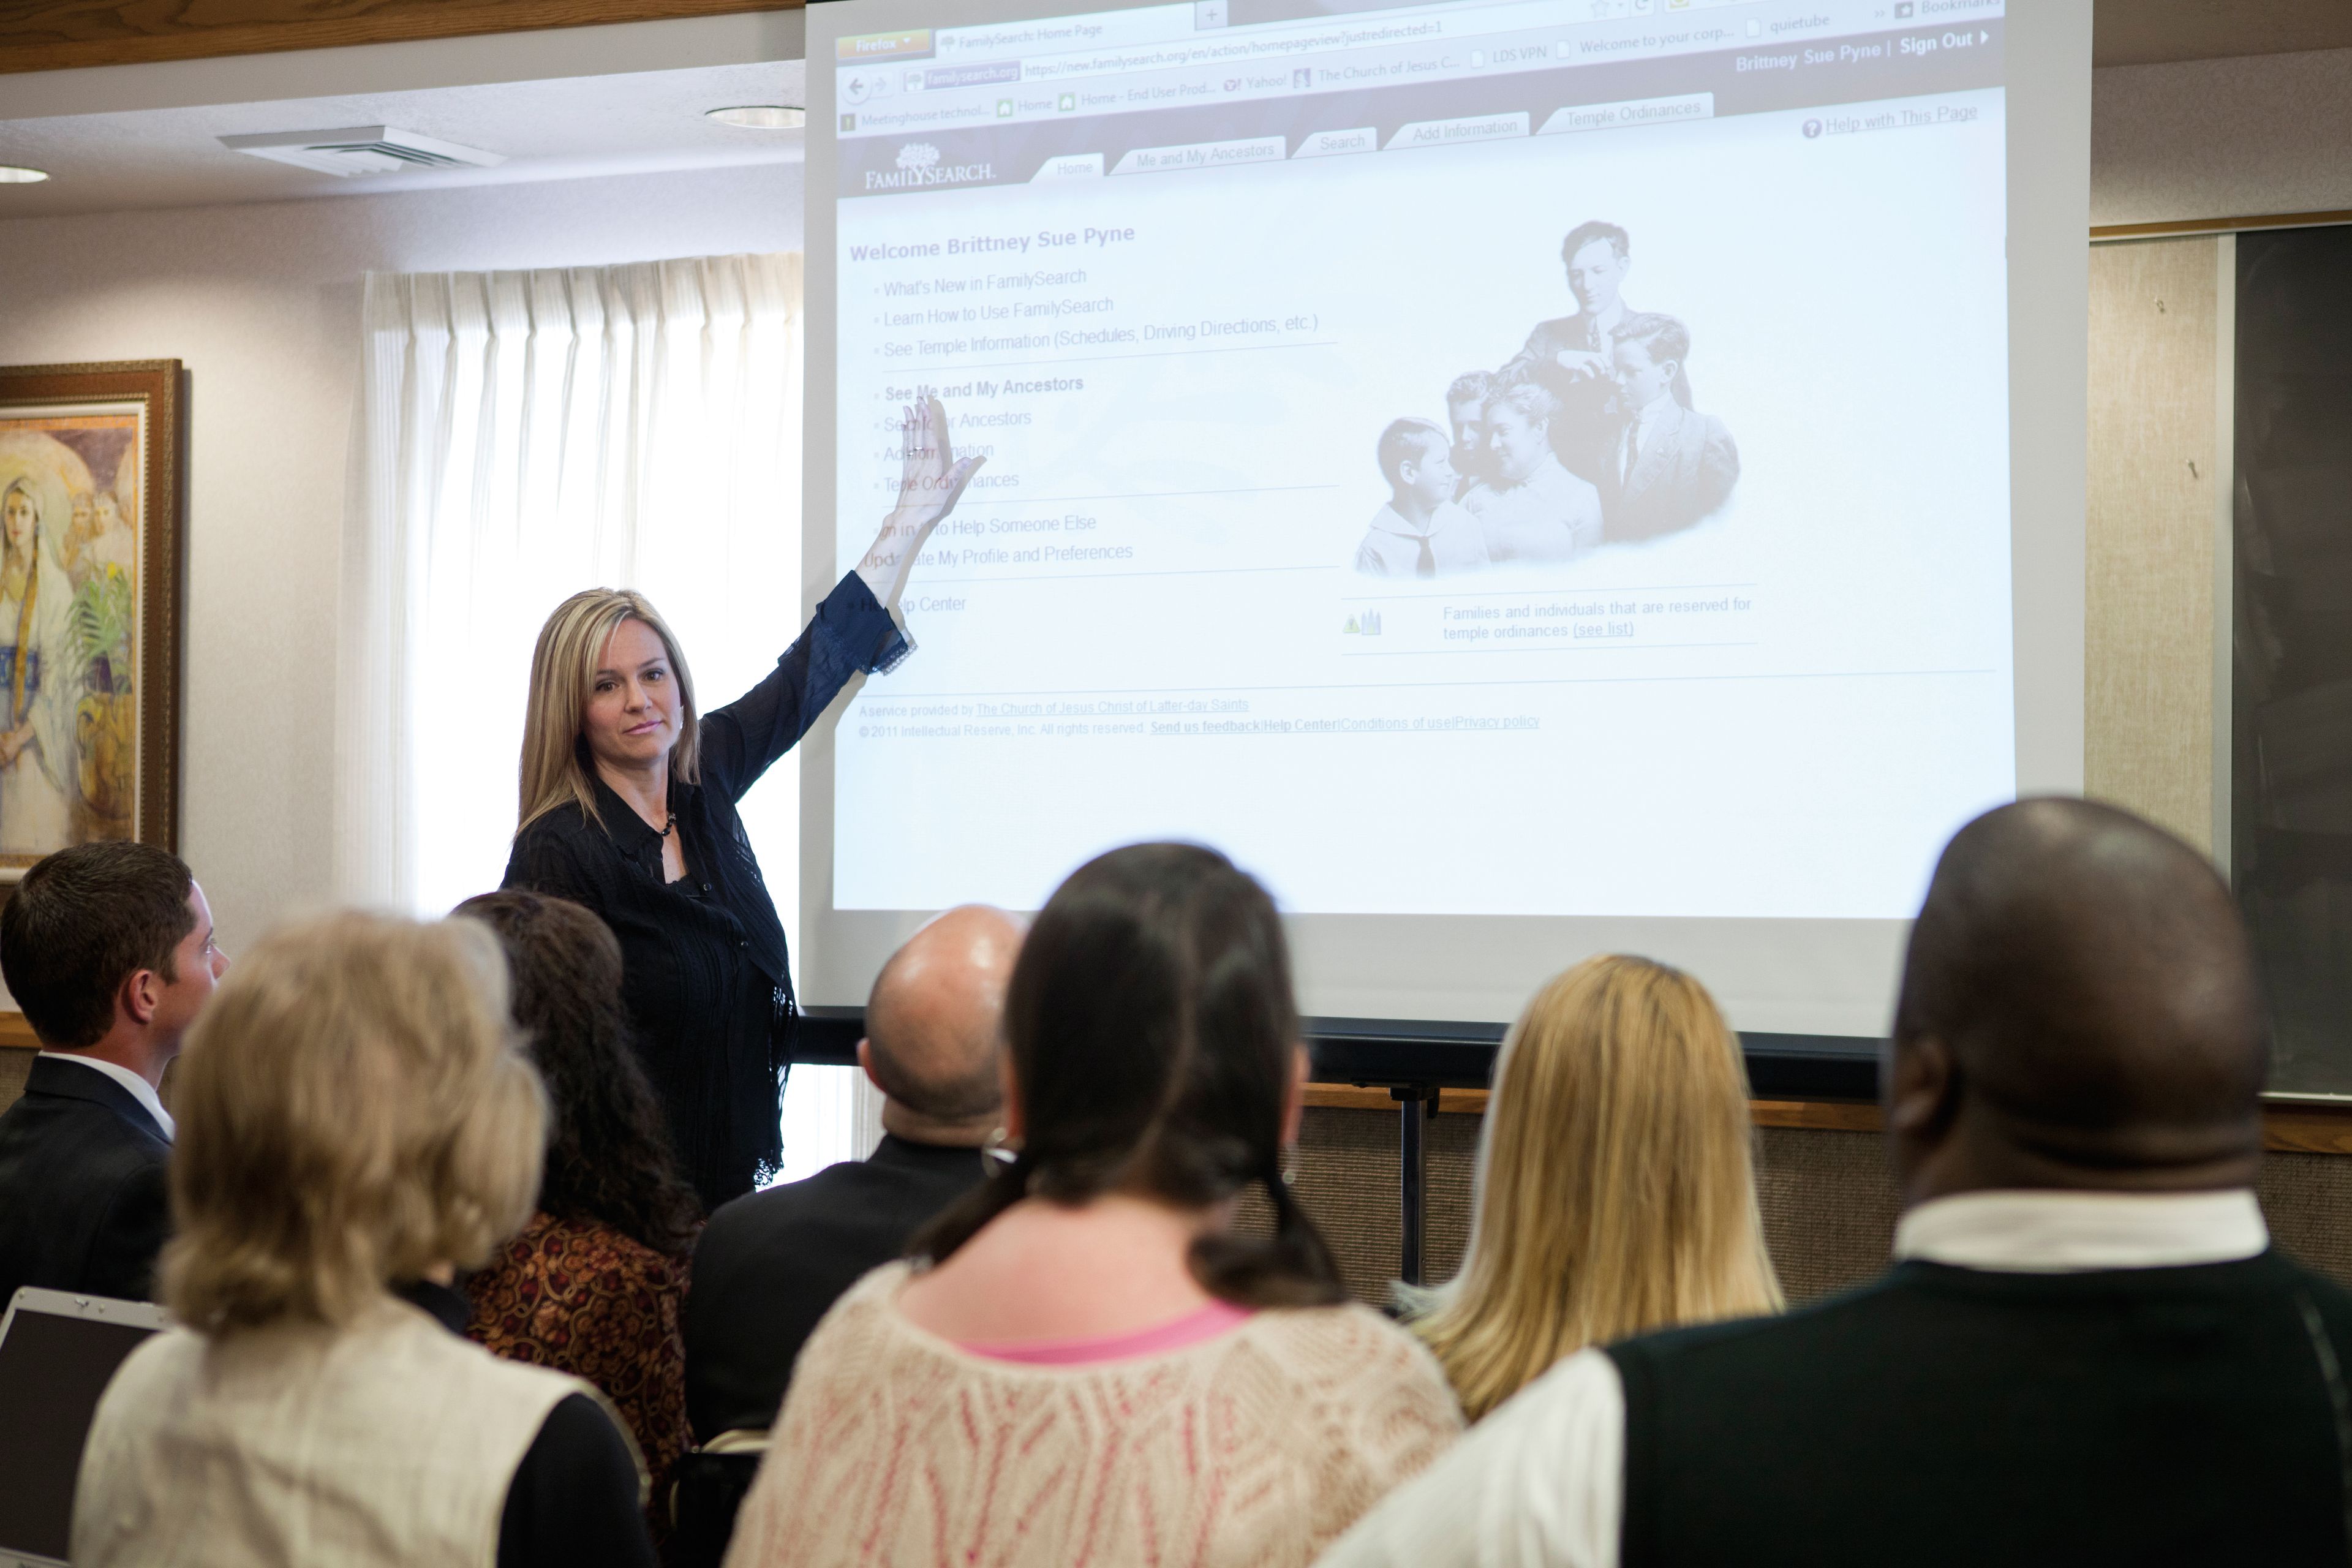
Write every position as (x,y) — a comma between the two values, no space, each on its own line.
(769,1264)
(2088,1351)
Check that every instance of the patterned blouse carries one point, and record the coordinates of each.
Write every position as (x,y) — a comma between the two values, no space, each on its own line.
(1254,1448)
(580,1297)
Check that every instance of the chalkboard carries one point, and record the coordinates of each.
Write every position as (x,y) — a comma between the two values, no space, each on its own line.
(2291,634)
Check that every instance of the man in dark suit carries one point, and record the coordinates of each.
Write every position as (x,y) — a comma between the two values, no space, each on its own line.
(109,949)
(1569,357)
(769,1264)
(1672,465)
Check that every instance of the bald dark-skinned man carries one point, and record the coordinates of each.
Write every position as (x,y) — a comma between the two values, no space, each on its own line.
(771,1263)
(2086,1353)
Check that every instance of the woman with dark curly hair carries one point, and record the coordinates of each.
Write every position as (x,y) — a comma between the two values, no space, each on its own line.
(595,1283)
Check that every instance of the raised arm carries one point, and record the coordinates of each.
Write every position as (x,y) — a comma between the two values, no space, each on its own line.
(855,628)
(930,483)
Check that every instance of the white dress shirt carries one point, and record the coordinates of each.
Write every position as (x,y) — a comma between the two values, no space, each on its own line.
(1540,1483)
(141,1090)
(1642,432)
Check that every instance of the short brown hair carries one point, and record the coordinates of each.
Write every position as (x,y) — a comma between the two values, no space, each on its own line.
(83,921)
(353,1108)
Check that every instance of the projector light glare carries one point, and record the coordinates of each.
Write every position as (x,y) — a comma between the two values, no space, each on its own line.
(11,175)
(760,117)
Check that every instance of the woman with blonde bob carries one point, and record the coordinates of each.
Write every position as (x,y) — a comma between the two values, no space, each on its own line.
(1616,1192)
(356,1122)
(628,808)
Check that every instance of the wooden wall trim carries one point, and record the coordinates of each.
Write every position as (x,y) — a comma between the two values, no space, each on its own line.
(2176,227)
(2289,1127)
(67,35)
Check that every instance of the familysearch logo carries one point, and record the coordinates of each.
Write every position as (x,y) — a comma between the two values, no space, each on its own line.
(920,165)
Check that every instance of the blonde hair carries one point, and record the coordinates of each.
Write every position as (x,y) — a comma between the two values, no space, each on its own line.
(562,674)
(1616,1192)
(354,1107)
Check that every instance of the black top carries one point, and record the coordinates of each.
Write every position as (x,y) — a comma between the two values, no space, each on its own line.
(573,1502)
(82,1204)
(768,1266)
(705,974)
(1955,1415)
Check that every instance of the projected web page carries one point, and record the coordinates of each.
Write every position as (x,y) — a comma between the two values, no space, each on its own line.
(1527,458)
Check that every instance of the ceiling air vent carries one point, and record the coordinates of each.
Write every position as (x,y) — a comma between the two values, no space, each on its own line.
(361,150)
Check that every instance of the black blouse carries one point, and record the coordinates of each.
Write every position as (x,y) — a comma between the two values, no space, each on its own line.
(703,962)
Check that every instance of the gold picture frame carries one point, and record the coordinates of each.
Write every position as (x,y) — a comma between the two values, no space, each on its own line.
(92,475)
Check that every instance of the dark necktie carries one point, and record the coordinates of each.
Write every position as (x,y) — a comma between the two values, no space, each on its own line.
(1427,565)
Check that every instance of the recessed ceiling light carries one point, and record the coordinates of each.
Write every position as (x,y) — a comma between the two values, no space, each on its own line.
(10,175)
(760,117)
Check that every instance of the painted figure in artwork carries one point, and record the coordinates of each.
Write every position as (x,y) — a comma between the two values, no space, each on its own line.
(99,537)
(40,682)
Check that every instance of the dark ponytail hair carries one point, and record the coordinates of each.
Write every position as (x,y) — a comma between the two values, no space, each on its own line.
(608,1152)
(1151,1026)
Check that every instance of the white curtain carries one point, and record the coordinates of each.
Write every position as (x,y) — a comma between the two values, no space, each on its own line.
(520,436)
(523,436)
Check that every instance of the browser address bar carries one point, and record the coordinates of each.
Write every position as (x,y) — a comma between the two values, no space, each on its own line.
(1164,57)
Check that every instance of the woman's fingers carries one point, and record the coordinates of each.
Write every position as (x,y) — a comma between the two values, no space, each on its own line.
(935,422)
(957,477)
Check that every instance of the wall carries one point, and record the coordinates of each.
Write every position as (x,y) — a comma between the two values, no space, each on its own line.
(1829,1201)
(2150,534)
(2206,139)
(262,305)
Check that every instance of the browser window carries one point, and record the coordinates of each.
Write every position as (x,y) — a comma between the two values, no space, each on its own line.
(1471,459)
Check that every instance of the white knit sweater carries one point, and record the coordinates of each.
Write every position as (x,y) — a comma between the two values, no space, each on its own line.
(1252,1449)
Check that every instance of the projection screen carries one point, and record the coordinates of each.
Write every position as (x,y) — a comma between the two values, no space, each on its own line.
(1525,478)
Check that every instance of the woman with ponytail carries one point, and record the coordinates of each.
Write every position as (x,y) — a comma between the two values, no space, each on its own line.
(1085,1362)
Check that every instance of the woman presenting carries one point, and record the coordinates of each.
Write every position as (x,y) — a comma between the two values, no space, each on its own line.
(628,807)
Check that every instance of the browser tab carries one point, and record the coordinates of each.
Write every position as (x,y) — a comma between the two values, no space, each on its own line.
(1203,155)
(1330,144)
(1446,133)
(1069,166)
(1632,112)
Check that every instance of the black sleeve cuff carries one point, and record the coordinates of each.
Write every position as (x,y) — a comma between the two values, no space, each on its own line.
(870,638)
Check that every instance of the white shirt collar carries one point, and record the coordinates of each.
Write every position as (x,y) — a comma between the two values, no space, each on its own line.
(141,1090)
(2074,1232)
(1390,521)
(1652,412)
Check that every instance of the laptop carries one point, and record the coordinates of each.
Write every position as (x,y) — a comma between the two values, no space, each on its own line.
(57,1352)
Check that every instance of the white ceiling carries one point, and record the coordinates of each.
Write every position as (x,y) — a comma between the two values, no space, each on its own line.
(546,130)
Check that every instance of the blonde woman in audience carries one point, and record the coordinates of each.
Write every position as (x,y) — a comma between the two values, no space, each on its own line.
(356,1122)
(1086,1362)
(1616,1191)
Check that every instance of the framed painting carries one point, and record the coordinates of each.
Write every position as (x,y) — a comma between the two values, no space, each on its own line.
(90,471)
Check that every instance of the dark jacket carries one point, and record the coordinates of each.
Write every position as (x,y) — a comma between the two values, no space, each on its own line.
(1949,1415)
(82,1204)
(768,1266)
(703,964)
(1684,473)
